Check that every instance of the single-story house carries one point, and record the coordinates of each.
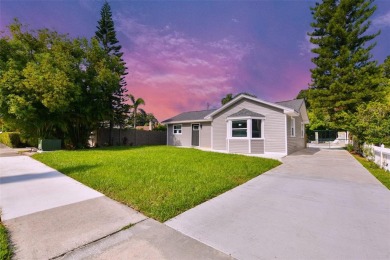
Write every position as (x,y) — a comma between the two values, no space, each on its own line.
(245,125)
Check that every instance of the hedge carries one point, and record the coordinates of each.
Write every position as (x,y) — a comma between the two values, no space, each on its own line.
(10,139)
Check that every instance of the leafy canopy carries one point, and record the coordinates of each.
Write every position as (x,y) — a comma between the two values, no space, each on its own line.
(345,74)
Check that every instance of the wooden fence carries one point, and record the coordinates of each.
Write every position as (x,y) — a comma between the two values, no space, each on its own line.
(128,137)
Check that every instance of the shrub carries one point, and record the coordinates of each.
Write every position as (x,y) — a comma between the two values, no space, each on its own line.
(160,128)
(350,147)
(10,139)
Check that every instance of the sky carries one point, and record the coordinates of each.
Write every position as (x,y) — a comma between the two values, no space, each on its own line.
(187,55)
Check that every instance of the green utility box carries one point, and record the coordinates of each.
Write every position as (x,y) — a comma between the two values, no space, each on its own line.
(49,144)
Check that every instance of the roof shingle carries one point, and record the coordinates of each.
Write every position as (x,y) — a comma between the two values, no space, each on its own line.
(294,104)
(245,112)
(190,116)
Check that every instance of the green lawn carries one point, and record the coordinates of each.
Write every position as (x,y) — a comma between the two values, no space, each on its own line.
(5,248)
(159,181)
(382,175)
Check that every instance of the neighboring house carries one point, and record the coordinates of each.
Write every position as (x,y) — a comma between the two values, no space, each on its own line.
(245,125)
(148,127)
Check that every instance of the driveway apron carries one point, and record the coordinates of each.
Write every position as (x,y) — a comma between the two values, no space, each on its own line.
(319,204)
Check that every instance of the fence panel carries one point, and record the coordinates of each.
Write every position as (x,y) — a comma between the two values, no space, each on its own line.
(129,137)
(378,154)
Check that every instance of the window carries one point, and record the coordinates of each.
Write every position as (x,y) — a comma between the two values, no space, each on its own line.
(245,128)
(177,129)
(302,130)
(292,127)
(239,128)
(256,128)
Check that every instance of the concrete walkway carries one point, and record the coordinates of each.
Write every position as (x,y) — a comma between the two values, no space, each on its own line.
(50,215)
(320,204)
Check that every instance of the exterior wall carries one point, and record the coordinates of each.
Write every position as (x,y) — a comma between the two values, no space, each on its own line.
(239,146)
(205,135)
(183,139)
(274,126)
(298,142)
(257,146)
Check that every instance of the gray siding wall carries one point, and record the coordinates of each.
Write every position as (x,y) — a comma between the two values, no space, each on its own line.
(180,140)
(295,143)
(274,126)
(238,146)
(257,146)
(205,135)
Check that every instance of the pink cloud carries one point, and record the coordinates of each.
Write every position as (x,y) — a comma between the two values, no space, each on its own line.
(175,73)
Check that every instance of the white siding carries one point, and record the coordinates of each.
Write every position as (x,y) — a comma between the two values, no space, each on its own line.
(239,146)
(180,140)
(257,146)
(274,123)
(205,135)
(295,143)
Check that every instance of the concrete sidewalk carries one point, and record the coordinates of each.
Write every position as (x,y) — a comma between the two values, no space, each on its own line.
(50,215)
(320,204)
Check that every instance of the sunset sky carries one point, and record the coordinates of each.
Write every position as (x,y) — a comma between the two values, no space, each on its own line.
(186,55)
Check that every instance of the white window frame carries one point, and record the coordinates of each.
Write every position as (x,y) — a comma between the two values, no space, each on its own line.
(292,127)
(177,131)
(231,129)
(261,129)
(302,130)
(248,128)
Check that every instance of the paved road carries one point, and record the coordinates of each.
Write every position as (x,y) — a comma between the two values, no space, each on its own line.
(51,215)
(320,204)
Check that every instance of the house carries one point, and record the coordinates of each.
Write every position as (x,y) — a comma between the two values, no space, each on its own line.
(245,125)
(148,127)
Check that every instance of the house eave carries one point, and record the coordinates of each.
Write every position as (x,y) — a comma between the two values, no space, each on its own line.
(244,117)
(186,121)
(291,112)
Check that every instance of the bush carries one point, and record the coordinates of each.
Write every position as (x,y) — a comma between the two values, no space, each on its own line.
(160,128)
(10,139)
(350,147)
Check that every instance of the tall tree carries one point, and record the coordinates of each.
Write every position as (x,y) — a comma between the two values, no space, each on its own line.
(135,106)
(37,81)
(344,75)
(386,78)
(106,35)
(226,99)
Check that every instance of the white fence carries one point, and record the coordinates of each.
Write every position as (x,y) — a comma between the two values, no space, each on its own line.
(378,154)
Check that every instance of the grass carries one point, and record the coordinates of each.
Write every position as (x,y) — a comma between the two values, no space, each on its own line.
(5,247)
(159,181)
(382,175)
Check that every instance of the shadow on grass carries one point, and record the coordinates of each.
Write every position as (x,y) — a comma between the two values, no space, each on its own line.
(118,148)
(80,169)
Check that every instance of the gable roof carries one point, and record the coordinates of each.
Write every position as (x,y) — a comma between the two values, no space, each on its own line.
(290,107)
(286,110)
(245,113)
(191,116)
(294,104)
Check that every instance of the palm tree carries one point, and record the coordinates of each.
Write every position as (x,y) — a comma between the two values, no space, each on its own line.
(136,103)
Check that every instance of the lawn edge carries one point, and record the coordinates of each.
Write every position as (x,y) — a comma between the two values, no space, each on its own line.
(6,243)
(373,169)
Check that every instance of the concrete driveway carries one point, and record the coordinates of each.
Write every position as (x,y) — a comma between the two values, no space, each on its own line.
(320,204)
